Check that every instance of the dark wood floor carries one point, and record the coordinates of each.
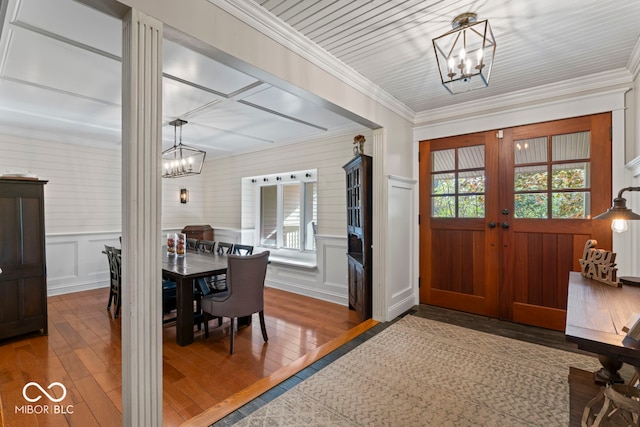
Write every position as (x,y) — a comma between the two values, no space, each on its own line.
(83,352)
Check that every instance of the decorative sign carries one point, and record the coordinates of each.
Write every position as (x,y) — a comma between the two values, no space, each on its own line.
(599,264)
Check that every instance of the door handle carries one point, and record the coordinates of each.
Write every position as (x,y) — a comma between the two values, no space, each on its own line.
(492,224)
(504,225)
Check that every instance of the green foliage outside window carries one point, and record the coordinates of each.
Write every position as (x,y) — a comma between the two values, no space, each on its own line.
(563,204)
(531,200)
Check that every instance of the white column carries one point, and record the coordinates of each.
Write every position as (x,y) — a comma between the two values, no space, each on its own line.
(379,238)
(141,220)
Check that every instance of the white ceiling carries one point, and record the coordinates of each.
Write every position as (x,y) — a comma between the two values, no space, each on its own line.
(60,64)
(539,42)
(60,80)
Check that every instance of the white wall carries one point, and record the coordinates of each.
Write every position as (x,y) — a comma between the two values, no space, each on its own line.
(83,206)
(83,192)
(327,279)
(223,195)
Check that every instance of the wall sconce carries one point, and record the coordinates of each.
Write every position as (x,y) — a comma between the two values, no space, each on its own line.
(619,214)
(184,195)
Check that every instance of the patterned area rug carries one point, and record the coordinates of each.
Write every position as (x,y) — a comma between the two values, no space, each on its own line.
(420,372)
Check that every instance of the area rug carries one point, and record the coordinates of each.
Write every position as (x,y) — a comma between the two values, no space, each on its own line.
(420,372)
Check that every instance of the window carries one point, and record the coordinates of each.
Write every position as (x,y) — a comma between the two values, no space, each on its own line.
(552,176)
(458,182)
(286,210)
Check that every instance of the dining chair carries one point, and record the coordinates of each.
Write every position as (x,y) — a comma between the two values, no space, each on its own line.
(218,283)
(242,249)
(169,298)
(244,295)
(207,246)
(225,248)
(115,269)
(192,244)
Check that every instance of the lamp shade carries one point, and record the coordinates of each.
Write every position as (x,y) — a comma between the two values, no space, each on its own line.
(465,54)
(619,210)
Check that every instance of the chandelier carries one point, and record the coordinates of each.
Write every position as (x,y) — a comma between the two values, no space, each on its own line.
(465,54)
(181,160)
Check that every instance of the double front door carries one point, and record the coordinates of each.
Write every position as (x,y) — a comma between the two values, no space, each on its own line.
(505,214)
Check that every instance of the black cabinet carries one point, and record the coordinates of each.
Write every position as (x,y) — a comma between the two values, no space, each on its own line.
(359,207)
(23,283)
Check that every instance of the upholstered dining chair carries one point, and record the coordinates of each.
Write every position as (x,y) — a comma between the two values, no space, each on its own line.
(242,249)
(244,295)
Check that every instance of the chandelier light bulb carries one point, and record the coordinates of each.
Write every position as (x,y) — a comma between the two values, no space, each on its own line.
(452,64)
(468,67)
(463,54)
(479,55)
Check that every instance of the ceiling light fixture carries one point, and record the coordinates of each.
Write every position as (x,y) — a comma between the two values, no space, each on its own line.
(181,160)
(465,54)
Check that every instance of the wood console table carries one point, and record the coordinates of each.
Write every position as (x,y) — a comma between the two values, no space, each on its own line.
(596,313)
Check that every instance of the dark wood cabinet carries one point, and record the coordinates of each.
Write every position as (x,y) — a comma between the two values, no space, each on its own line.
(23,282)
(200,232)
(359,207)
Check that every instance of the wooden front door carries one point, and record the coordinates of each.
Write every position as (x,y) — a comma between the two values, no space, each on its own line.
(504,216)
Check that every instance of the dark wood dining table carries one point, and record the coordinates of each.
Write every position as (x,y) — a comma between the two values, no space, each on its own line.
(184,270)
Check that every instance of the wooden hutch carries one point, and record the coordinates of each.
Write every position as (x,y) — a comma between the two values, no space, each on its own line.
(359,219)
(23,280)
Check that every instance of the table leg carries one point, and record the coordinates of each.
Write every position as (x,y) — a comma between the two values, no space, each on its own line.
(609,371)
(184,318)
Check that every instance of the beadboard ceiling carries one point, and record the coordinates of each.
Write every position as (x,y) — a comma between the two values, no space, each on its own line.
(539,42)
(60,64)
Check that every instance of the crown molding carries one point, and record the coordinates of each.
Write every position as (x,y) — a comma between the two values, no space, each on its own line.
(261,20)
(536,95)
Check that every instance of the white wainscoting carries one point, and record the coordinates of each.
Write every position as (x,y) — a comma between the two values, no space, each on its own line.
(75,262)
(326,281)
(401,286)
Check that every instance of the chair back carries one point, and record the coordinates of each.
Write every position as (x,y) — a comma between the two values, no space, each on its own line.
(192,244)
(114,265)
(117,256)
(245,283)
(207,246)
(225,248)
(242,249)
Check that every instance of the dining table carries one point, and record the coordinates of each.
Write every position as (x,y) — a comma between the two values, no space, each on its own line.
(184,270)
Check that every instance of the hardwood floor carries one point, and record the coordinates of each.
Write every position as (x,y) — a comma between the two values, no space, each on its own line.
(83,352)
